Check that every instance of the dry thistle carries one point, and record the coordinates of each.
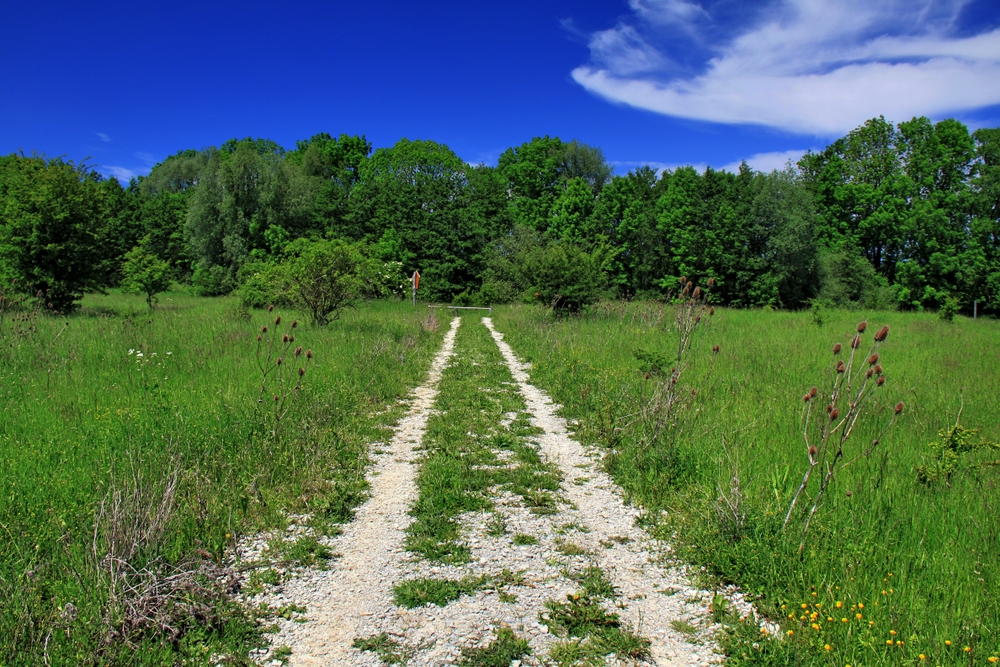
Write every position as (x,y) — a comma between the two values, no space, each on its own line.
(834,414)
(298,351)
(302,372)
(872,360)
(841,367)
(836,348)
(309,354)
(284,339)
(856,342)
(899,406)
(278,361)
(715,349)
(295,323)
(277,320)
(878,369)
(711,282)
(882,334)
(862,326)
(814,392)
(270,308)
(697,293)
(263,329)
(711,311)
(881,380)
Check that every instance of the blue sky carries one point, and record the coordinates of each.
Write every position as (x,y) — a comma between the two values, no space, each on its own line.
(663,82)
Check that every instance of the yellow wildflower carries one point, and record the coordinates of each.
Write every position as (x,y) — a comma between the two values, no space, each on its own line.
(826,648)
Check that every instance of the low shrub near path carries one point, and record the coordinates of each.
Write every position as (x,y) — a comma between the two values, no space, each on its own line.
(894,570)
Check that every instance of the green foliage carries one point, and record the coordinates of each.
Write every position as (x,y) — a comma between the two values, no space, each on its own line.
(926,546)
(503,650)
(949,450)
(418,592)
(562,276)
(388,650)
(49,214)
(325,277)
(84,419)
(144,273)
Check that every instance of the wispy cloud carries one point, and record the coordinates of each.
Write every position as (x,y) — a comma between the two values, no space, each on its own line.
(766,162)
(817,67)
(123,174)
(105,138)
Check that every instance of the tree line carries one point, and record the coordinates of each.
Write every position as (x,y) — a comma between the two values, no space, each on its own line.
(904,216)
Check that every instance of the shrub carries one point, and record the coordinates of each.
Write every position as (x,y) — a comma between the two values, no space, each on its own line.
(563,277)
(145,273)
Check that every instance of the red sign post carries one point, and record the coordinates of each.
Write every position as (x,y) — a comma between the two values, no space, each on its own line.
(416,285)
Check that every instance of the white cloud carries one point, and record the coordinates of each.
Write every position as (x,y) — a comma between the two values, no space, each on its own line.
(766,162)
(818,67)
(105,138)
(123,174)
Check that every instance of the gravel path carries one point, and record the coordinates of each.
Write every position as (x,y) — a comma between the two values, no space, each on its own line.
(593,527)
(360,582)
(649,587)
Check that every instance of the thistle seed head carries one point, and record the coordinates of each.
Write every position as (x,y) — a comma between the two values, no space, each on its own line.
(899,407)
(841,367)
(878,369)
(309,354)
(263,329)
(881,380)
(872,360)
(270,308)
(276,399)
(711,282)
(697,292)
(836,348)
(684,279)
(284,339)
(856,342)
(871,371)
(834,414)
(258,338)
(882,333)
(711,311)
(813,451)
(805,399)
(302,372)
(277,320)
(715,349)
(295,323)
(278,361)
(814,392)
(298,351)
(862,325)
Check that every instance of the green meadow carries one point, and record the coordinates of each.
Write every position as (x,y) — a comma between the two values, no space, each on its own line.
(135,446)
(157,439)
(895,568)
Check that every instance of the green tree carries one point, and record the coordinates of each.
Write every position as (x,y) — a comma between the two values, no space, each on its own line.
(145,273)
(49,213)
(324,277)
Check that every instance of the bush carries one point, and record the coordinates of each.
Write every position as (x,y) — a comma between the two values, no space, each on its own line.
(145,273)
(563,277)
(263,284)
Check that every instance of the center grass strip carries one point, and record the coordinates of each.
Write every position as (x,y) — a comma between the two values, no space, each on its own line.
(463,465)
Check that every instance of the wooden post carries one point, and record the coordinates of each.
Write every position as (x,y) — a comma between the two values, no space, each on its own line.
(975,309)
(415,283)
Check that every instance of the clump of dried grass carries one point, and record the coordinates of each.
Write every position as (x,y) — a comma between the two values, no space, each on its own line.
(145,594)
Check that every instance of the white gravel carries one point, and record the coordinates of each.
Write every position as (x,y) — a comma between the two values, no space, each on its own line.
(354,598)
(656,595)
(359,584)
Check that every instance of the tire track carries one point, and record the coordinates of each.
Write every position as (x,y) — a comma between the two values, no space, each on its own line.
(360,582)
(649,589)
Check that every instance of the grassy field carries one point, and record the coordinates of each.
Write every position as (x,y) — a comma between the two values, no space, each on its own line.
(136,447)
(894,570)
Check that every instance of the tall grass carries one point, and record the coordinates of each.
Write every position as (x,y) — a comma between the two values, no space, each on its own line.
(141,437)
(909,572)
